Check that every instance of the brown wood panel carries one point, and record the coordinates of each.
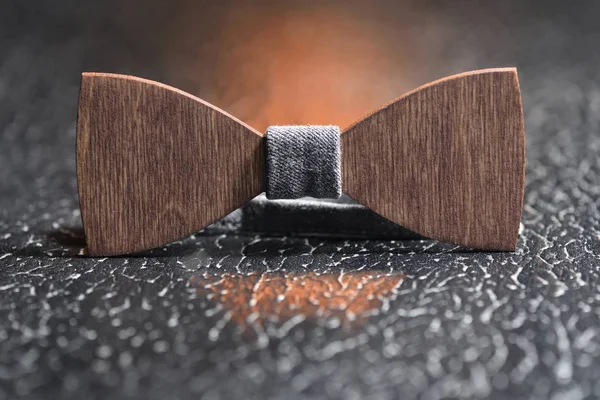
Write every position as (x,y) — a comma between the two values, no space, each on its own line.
(155,164)
(446,160)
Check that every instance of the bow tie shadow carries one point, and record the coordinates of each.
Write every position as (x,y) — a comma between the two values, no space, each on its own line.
(290,227)
(334,219)
(303,227)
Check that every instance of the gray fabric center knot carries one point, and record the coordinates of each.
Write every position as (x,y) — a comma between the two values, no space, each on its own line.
(303,161)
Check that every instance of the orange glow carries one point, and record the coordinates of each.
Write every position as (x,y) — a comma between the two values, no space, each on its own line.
(302,66)
(280,296)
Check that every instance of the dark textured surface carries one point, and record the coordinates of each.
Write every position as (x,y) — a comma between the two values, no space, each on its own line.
(225,316)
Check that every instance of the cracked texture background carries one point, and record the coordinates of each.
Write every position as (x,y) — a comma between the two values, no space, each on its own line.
(232,313)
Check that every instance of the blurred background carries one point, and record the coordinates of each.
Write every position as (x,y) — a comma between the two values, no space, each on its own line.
(272,62)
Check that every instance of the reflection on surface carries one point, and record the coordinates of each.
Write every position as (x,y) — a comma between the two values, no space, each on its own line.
(344,298)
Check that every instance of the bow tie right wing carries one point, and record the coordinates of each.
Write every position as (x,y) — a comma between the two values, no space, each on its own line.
(155,164)
(446,160)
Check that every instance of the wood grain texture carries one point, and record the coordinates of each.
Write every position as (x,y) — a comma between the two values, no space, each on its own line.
(155,164)
(446,160)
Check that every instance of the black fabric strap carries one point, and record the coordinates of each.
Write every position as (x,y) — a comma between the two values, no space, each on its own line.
(303,161)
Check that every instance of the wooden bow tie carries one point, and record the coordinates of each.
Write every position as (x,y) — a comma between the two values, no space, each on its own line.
(155,164)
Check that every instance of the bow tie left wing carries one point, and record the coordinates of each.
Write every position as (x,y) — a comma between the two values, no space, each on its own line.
(446,160)
(155,164)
